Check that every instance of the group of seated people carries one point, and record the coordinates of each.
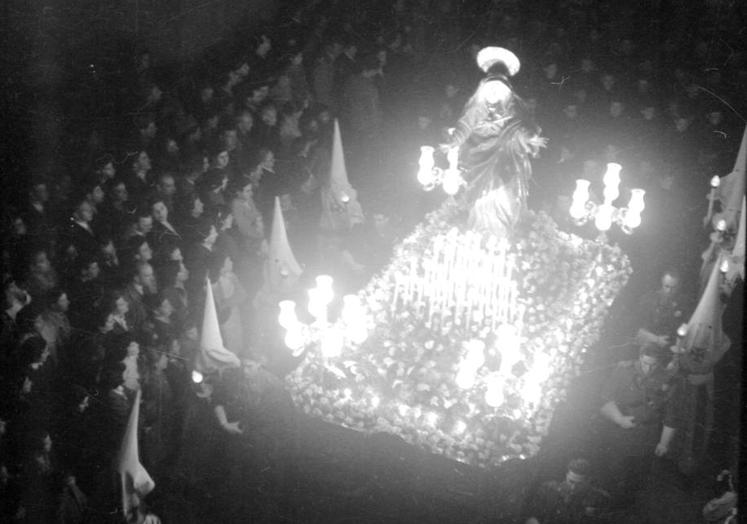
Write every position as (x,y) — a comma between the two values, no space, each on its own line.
(105,272)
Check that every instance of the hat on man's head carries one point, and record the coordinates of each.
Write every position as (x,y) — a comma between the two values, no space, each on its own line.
(487,57)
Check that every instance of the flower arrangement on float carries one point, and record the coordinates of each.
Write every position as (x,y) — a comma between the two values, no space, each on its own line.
(472,371)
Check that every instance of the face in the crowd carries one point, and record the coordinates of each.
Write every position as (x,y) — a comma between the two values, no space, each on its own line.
(92,271)
(97,195)
(227,267)
(63,303)
(19,226)
(167,186)
(264,47)
(122,307)
(145,224)
(183,274)
(222,159)
(230,140)
(197,208)
(143,162)
(41,193)
(247,193)
(648,113)
(681,124)
(648,363)
(47,443)
(212,236)
(616,109)
(144,252)
(608,82)
(669,285)
(176,255)
(245,123)
(270,116)
(147,278)
(150,130)
(160,212)
(269,161)
(119,193)
(108,171)
(172,147)
(41,262)
(84,213)
(165,308)
(133,349)
(575,480)
(109,322)
(83,405)
(227,222)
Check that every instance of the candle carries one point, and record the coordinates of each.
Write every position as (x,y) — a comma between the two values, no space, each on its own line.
(724,267)
(715,182)
(721,225)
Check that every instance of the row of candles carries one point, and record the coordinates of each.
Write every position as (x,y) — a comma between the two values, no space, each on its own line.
(458,276)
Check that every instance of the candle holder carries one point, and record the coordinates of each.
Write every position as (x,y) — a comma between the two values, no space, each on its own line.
(328,337)
(604,215)
(431,176)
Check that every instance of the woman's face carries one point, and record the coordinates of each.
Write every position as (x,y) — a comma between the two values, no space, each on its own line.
(160,212)
(41,262)
(227,266)
(221,160)
(121,306)
(183,274)
(97,195)
(133,350)
(166,309)
(248,192)
(269,161)
(144,252)
(109,324)
(176,255)
(197,208)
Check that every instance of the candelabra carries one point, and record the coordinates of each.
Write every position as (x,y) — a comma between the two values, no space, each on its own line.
(328,337)
(431,176)
(605,214)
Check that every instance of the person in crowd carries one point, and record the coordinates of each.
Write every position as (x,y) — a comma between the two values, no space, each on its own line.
(42,276)
(641,419)
(142,282)
(164,234)
(660,312)
(574,500)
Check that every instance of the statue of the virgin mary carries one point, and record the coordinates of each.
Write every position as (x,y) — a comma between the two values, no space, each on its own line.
(497,137)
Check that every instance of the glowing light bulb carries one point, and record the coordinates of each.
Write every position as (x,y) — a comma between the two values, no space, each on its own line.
(494,393)
(715,181)
(344,198)
(724,267)
(287,317)
(452,182)
(682,330)
(636,203)
(324,287)
(611,182)
(331,344)
(603,219)
(425,165)
(294,340)
(721,225)
(197,377)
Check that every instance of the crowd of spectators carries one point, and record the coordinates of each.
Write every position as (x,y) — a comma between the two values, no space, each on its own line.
(105,264)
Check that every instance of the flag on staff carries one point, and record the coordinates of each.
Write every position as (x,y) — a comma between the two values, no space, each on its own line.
(135,480)
(212,355)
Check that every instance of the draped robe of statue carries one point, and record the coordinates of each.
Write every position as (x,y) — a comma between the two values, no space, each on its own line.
(496,140)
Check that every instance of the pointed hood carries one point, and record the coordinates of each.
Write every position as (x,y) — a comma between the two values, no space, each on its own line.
(732,186)
(704,330)
(135,479)
(340,207)
(281,268)
(212,355)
